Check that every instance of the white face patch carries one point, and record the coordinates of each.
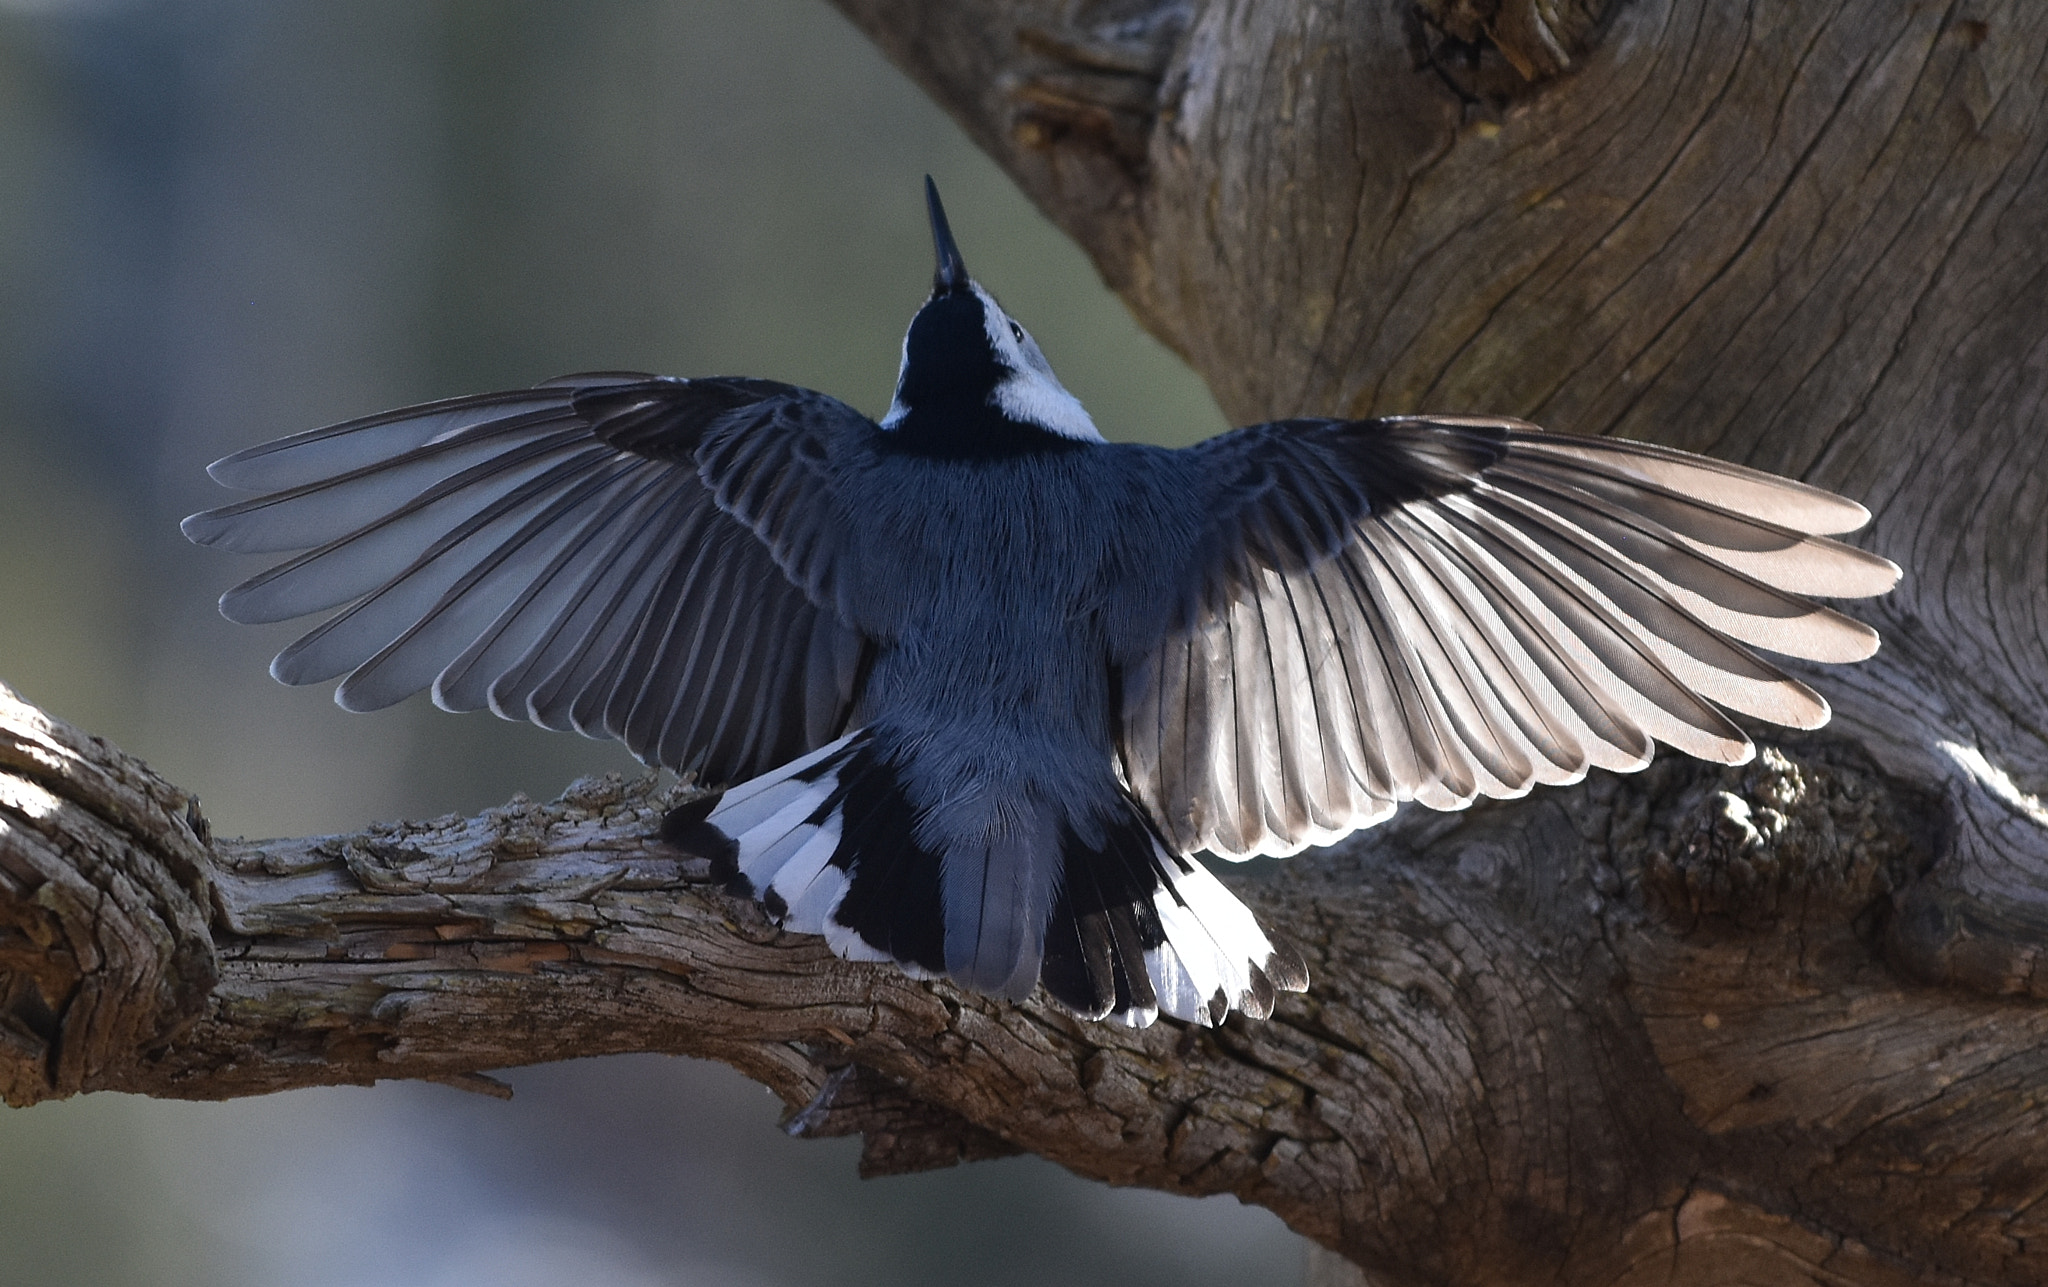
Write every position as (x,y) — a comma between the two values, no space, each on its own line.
(1028,392)
(1031,393)
(897,410)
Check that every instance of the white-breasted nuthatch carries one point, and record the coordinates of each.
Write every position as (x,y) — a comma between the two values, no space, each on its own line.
(985,682)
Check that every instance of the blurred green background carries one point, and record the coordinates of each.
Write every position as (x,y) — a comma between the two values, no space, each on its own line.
(222,222)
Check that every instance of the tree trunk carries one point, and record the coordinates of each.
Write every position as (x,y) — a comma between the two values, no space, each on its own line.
(1774,1024)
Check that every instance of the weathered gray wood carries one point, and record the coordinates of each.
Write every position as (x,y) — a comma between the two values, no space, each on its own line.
(1627,1026)
(1777,1024)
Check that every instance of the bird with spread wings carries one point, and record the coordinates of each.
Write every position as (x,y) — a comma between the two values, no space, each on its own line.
(979,685)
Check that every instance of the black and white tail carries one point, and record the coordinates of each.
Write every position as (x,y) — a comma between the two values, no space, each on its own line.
(832,845)
(1138,931)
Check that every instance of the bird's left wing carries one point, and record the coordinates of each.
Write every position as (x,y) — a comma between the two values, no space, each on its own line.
(561,554)
(1436,609)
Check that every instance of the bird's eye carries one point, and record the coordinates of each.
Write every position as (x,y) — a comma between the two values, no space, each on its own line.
(1017,332)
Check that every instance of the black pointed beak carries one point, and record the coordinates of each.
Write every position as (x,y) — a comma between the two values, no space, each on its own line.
(952,271)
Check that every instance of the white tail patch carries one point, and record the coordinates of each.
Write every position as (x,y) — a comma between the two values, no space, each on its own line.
(1215,958)
(786,839)
(784,842)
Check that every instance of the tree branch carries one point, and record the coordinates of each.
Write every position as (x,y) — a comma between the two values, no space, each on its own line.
(1462,1090)
(1778,1024)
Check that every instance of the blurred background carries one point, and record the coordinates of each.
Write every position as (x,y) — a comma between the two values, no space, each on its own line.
(225,221)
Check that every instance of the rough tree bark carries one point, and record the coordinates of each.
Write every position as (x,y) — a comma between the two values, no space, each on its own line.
(1776,1024)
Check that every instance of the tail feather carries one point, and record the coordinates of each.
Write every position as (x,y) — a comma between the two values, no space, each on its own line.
(1176,989)
(758,793)
(826,844)
(829,844)
(894,904)
(1104,925)
(1140,931)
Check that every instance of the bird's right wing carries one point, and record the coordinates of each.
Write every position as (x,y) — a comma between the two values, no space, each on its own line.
(1435,609)
(562,554)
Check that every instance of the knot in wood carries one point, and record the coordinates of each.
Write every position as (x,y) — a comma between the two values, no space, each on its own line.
(1493,50)
(105,952)
(1755,843)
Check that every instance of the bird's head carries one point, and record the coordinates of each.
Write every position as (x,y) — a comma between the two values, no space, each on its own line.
(973,381)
